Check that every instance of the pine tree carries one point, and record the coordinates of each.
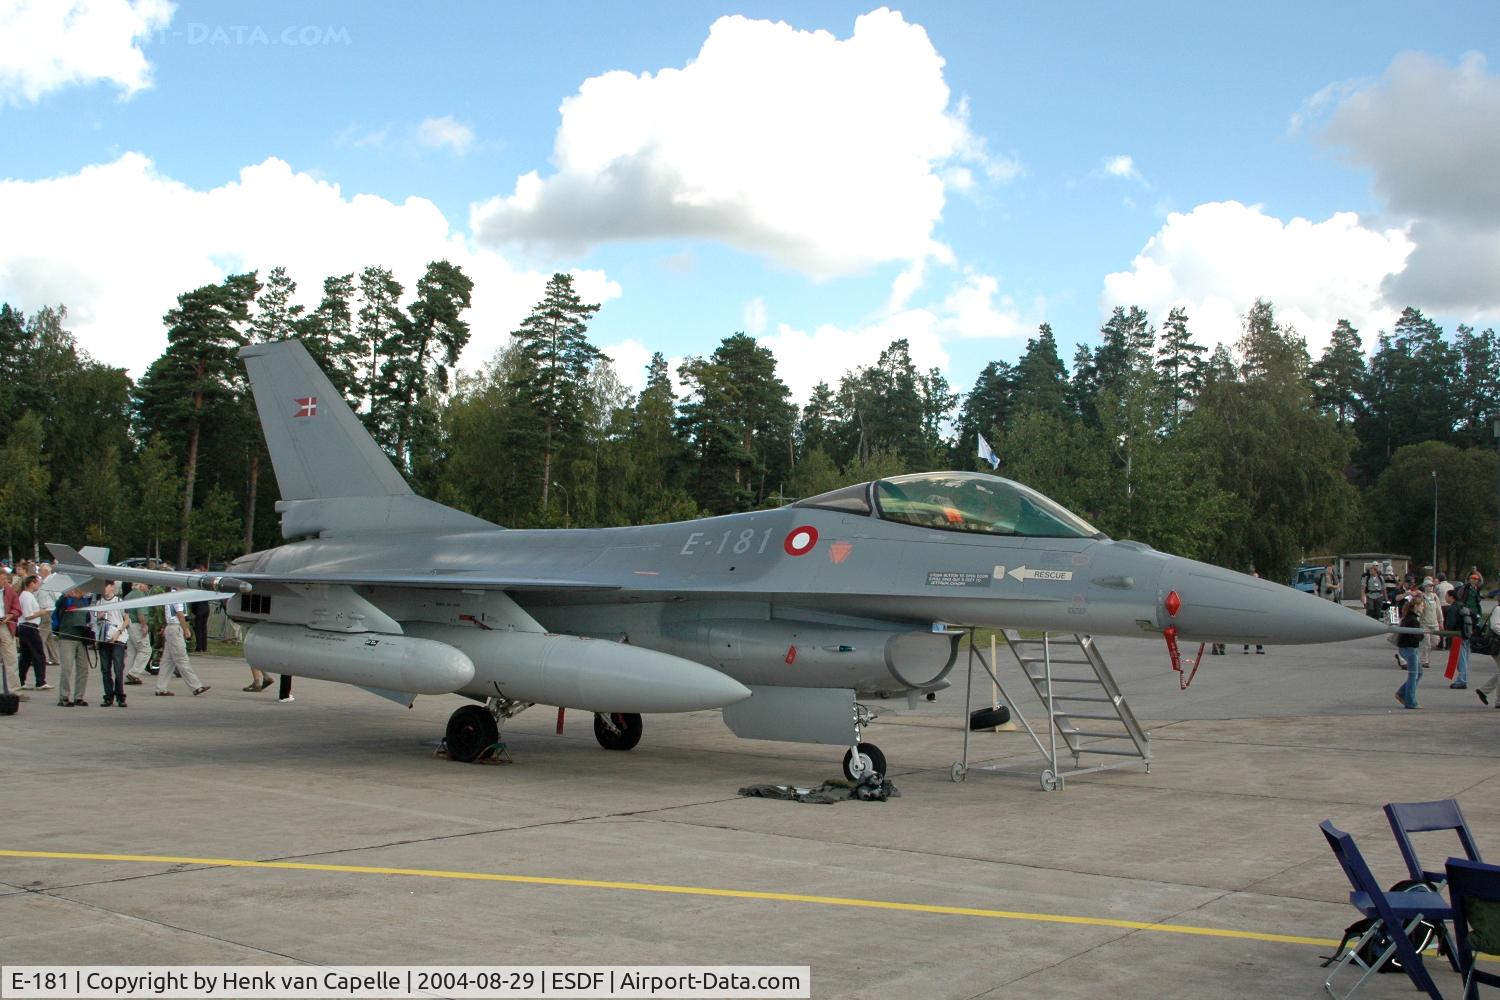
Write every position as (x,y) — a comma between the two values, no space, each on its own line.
(987,409)
(328,334)
(1180,363)
(738,423)
(1338,377)
(1041,380)
(379,328)
(552,378)
(417,354)
(198,372)
(1478,388)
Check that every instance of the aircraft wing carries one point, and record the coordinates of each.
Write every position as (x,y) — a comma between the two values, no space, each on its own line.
(439,581)
(77,566)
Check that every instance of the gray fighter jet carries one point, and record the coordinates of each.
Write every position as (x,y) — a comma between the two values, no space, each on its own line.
(787,619)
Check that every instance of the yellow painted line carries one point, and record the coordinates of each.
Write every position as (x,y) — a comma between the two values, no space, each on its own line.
(686,890)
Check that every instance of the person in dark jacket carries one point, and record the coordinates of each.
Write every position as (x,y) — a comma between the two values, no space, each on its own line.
(201,611)
(1406,647)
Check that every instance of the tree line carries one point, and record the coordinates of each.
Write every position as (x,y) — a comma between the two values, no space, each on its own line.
(1254,457)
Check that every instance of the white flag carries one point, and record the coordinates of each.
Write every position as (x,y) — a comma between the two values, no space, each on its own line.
(987,453)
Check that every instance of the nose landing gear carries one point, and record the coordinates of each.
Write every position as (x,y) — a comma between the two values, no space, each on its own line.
(863,759)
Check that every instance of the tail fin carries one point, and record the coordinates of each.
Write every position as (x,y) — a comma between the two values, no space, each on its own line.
(333,476)
(318,446)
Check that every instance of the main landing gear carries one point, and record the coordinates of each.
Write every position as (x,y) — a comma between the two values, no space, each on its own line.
(618,730)
(474,730)
(471,731)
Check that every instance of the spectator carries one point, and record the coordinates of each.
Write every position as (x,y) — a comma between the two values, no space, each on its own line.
(174,655)
(201,610)
(1407,645)
(74,637)
(29,635)
(11,603)
(47,598)
(1487,691)
(137,642)
(1372,591)
(109,634)
(1432,621)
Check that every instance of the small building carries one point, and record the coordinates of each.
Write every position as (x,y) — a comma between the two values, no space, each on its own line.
(1352,568)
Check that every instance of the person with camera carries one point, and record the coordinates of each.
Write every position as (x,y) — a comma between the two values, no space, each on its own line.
(109,635)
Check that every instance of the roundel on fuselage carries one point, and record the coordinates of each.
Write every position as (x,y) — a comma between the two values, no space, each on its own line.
(800,540)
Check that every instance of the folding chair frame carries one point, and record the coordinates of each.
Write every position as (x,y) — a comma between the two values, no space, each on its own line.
(1463,877)
(1397,912)
(1407,818)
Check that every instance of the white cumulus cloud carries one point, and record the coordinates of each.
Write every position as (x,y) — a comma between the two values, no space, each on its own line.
(825,154)
(1430,133)
(139,238)
(1216,260)
(46,45)
(973,308)
(445,132)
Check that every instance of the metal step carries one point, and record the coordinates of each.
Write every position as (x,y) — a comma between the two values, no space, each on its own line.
(1039,672)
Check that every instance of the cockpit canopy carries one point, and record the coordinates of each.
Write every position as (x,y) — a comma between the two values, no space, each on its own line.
(959,501)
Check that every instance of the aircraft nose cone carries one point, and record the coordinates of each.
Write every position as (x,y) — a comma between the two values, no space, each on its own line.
(1220,605)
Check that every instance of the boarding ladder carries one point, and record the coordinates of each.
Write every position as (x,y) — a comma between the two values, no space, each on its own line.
(1088,713)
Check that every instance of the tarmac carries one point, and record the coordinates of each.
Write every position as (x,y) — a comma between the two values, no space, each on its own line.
(230,829)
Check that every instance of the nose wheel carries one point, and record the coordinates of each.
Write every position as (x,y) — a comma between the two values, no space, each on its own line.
(867,760)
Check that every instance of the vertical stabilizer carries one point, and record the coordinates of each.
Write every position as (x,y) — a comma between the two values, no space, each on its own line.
(334,478)
(318,447)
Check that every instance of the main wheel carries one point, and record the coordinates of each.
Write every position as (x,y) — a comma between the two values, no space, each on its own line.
(471,731)
(618,730)
(870,760)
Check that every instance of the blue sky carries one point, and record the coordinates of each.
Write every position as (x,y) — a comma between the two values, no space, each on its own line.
(826,176)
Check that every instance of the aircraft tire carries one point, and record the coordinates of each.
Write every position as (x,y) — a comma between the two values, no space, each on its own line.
(989,718)
(873,757)
(471,731)
(630,729)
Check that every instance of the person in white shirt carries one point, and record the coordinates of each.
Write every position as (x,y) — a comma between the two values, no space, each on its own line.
(48,600)
(109,633)
(29,635)
(174,657)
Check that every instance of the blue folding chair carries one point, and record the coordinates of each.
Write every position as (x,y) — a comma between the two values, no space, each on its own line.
(1407,818)
(1426,817)
(1474,889)
(1396,914)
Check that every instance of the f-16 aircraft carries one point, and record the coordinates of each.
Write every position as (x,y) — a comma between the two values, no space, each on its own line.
(789,620)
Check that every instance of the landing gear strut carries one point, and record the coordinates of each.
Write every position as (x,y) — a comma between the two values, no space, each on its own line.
(618,730)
